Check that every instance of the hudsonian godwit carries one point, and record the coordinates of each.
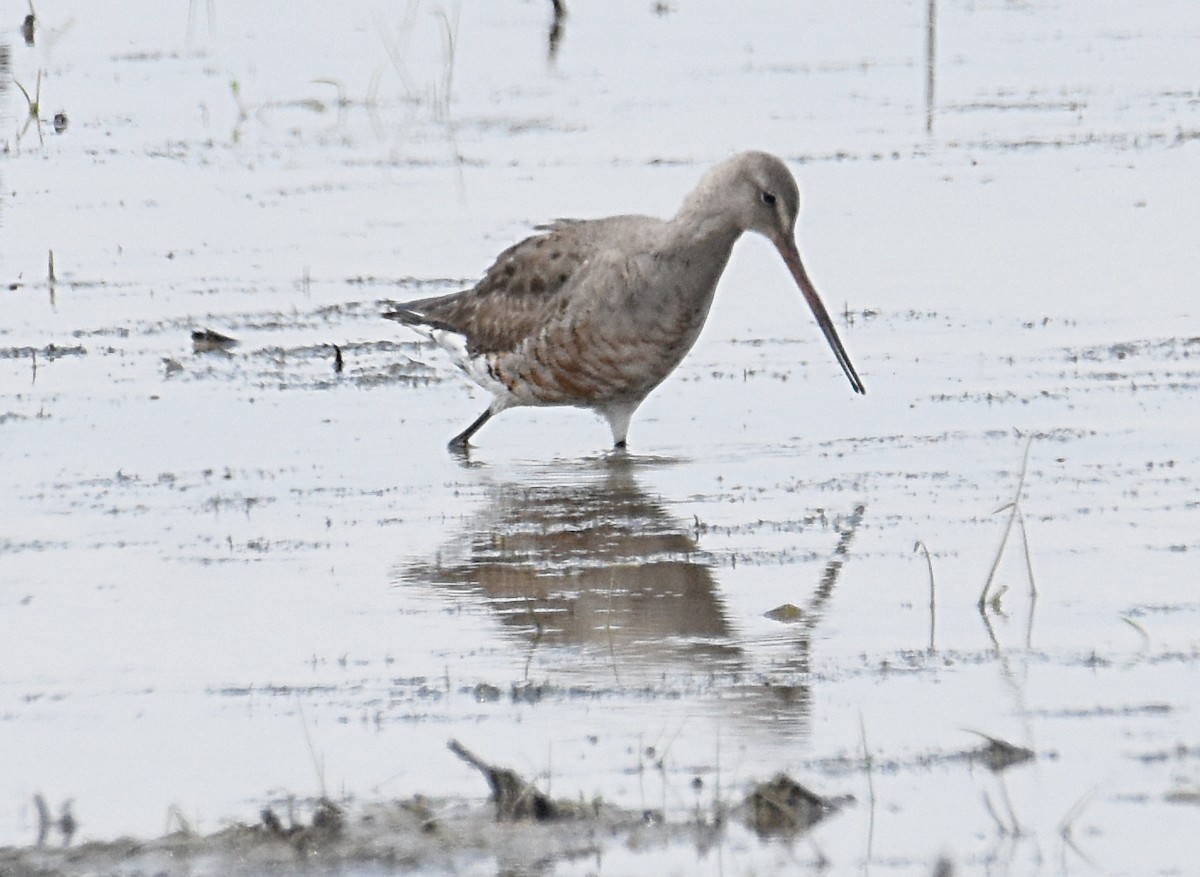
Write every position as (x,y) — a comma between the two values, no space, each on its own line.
(596,313)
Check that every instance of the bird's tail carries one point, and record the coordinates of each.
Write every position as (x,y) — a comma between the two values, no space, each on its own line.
(411,315)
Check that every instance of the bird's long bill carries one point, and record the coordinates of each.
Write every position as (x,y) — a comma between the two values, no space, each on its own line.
(791,255)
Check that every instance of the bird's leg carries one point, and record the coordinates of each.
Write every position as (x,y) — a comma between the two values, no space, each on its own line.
(618,417)
(458,444)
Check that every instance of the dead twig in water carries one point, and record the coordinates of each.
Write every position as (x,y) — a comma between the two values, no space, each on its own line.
(1003,829)
(318,762)
(397,49)
(29,26)
(210,19)
(1033,591)
(1014,509)
(556,29)
(608,628)
(175,817)
(1017,830)
(515,798)
(1141,632)
(51,275)
(1066,829)
(65,824)
(44,821)
(441,101)
(869,764)
(920,546)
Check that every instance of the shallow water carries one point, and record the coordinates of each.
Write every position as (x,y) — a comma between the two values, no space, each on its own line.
(228,576)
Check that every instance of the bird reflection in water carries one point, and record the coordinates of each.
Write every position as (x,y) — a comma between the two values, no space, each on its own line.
(591,561)
(586,560)
(803,622)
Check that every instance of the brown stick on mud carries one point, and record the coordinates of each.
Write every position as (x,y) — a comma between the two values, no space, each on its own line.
(515,798)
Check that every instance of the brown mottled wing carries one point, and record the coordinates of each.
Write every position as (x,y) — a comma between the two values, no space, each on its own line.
(517,295)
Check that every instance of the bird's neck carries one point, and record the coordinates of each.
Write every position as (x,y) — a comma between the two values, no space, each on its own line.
(702,233)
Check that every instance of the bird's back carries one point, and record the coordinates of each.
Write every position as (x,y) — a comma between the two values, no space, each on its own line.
(523,290)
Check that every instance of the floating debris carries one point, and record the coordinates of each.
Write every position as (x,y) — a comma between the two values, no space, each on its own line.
(206,340)
(1183,795)
(999,755)
(789,613)
(783,806)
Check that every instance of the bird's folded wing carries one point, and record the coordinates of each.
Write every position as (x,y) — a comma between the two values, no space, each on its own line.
(518,295)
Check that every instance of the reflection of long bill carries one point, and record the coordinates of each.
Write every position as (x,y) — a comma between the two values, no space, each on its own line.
(791,255)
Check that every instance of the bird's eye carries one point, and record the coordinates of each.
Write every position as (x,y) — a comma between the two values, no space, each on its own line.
(768,199)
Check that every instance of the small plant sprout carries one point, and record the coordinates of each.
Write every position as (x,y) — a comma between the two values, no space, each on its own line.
(235,89)
(35,109)
(1015,515)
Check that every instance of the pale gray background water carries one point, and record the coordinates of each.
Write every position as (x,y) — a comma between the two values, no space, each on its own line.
(201,566)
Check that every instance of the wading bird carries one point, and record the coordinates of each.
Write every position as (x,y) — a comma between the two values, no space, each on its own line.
(596,313)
